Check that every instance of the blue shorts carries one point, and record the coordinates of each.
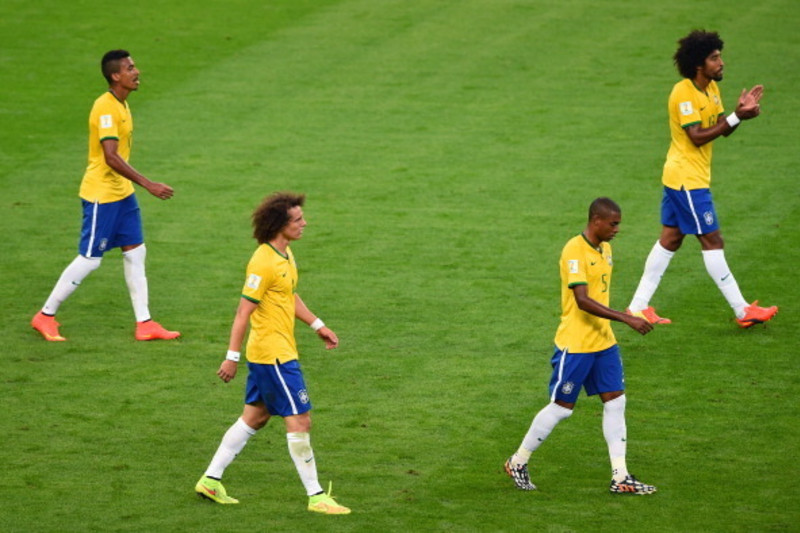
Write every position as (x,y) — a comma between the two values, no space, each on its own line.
(111,225)
(279,387)
(690,211)
(596,372)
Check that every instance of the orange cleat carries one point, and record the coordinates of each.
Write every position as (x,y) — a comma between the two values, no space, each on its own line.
(151,330)
(753,314)
(47,326)
(650,315)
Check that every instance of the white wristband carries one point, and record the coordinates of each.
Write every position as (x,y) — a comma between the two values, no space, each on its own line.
(233,356)
(732,120)
(317,324)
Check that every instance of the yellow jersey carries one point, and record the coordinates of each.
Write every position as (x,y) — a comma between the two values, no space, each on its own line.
(109,119)
(583,264)
(271,282)
(687,165)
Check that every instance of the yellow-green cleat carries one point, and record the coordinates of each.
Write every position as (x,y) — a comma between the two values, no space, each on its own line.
(324,503)
(213,490)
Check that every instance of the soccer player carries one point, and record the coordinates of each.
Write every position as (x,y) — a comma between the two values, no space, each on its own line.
(275,385)
(586,352)
(111,216)
(696,119)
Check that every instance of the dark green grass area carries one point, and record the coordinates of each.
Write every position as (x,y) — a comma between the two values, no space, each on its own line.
(448,151)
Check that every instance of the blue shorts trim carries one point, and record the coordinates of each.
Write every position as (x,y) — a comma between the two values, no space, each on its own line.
(111,225)
(597,372)
(280,388)
(691,211)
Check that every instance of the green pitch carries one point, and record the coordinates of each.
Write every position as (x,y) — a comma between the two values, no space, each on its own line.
(448,150)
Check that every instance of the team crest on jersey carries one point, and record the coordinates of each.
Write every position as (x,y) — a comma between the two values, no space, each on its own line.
(106,121)
(253,281)
(567,387)
(573,266)
(303,395)
(686,108)
(708,216)
(609,260)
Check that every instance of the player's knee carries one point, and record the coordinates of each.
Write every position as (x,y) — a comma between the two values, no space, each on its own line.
(298,423)
(671,241)
(90,264)
(712,241)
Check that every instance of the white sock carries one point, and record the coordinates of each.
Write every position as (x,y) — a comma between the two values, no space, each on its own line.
(70,279)
(232,444)
(654,267)
(133,265)
(303,457)
(616,433)
(543,423)
(717,268)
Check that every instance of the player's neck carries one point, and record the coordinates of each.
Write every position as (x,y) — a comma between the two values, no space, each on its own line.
(592,239)
(119,93)
(280,244)
(701,82)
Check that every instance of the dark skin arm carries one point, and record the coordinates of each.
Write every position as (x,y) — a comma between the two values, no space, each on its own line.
(747,107)
(593,307)
(116,162)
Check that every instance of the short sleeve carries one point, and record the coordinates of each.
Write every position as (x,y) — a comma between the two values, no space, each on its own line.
(684,106)
(573,263)
(257,280)
(106,120)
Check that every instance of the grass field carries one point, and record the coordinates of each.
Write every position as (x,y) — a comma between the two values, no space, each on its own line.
(448,150)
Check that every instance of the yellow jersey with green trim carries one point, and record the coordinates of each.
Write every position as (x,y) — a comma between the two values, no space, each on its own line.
(583,264)
(687,165)
(109,119)
(271,282)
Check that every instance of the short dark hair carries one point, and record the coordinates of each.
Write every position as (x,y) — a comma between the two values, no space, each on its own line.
(694,49)
(272,215)
(603,207)
(110,63)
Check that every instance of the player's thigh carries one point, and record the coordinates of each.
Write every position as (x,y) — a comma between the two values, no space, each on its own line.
(280,387)
(607,374)
(128,230)
(570,371)
(692,211)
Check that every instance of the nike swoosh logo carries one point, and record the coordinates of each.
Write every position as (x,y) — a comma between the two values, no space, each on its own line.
(726,276)
(702,108)
(593,263)
(310,459)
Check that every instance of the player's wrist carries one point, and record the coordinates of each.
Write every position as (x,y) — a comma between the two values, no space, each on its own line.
(233,356)
(317,324)
(732,120)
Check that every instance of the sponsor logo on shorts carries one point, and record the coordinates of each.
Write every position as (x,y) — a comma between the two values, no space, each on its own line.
(103,244)
(303,395)
(567,387)
(708,216)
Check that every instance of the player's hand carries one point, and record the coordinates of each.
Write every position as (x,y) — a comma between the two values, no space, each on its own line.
(160,190)
(227,370)
(639,324)
(748,105)
(330,338)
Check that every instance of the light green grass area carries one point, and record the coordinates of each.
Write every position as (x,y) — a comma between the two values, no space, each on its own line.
(448,149)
